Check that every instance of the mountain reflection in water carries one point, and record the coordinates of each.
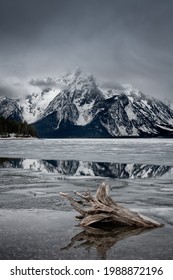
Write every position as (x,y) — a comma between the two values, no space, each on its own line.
(86,168)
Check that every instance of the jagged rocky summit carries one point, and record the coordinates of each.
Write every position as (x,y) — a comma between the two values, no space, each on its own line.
(80,107)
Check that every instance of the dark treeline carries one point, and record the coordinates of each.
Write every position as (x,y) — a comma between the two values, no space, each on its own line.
(8,126)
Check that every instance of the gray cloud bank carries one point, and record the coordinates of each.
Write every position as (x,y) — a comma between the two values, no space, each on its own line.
(130,41)
(6,91)
(13,89)
(43,83)
(47,84)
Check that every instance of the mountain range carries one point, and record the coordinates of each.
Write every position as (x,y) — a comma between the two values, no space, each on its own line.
(81,107)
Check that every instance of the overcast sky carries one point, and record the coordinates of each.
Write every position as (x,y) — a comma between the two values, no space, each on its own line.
(119,41)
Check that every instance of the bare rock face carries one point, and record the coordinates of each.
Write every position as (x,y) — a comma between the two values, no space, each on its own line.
(102,210)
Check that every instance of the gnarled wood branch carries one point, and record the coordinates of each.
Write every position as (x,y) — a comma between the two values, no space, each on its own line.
(103,209)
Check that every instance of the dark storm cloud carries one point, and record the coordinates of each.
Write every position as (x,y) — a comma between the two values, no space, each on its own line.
(129,41)
(46,83)
(112,85)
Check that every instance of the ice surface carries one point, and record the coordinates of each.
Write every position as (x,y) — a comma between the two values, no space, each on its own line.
(36,222)
(146,151)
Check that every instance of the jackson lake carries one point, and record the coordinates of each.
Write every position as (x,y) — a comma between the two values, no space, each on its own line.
(37,223)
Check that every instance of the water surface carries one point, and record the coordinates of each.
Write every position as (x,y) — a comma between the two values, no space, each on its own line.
(37,223)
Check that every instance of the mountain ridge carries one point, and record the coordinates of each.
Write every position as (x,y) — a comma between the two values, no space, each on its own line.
(80,108)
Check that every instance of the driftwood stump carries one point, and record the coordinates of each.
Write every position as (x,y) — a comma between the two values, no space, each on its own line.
(102,210)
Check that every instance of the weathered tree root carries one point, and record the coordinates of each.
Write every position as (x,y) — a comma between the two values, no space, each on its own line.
(102,210)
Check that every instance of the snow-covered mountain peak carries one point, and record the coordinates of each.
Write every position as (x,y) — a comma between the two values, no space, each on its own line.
(75,105)
(110,89)
(137,95)
(72,75)
(78,80)
(35,104)
(74,85)
(9,108)
(3,98)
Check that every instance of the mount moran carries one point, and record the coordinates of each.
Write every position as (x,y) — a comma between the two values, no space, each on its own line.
(80,107)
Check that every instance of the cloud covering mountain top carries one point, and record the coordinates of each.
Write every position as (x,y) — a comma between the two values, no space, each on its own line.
(127,41)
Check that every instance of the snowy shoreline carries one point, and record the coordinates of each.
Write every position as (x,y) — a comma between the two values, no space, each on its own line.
(17,138)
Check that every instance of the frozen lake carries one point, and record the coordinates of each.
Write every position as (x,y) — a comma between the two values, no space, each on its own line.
(148,151)
(36,223)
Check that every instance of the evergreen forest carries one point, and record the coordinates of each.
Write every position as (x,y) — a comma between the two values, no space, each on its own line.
(19,129)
